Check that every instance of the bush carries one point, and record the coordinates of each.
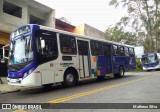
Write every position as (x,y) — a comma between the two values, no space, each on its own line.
(138,65)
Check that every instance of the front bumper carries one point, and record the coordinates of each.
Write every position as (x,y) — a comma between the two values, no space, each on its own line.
(151,68)
(34,79)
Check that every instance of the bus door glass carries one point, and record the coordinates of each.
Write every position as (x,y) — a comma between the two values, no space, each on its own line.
(107,59)
(84,58)
(132,62)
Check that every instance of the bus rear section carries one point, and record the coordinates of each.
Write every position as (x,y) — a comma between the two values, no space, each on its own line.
(123,59)
(150,61)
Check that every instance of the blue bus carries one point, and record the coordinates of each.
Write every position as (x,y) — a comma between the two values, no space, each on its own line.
(150,61)
(42,56)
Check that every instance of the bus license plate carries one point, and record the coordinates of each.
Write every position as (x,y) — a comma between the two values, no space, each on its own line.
(13,80)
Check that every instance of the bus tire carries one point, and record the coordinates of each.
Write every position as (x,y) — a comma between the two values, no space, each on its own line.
(121,72)
(69,79)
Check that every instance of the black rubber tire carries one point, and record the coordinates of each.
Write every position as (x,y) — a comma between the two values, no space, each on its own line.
(121,72)
(69,79)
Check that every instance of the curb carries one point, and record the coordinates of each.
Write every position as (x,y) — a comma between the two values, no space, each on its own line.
(5,92)
(5,88)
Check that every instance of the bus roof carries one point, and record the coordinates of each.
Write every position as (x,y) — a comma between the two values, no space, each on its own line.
(76,35)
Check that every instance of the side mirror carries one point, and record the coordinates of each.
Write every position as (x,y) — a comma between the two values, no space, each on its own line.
(42,44)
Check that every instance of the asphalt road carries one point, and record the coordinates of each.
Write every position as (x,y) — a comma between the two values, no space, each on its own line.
(139,87)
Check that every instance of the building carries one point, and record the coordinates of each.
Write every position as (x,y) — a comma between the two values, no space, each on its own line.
(62,25)
(83,29)
(15,13)
(88,30)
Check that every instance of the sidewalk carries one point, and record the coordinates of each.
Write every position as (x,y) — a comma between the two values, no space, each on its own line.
(5,88)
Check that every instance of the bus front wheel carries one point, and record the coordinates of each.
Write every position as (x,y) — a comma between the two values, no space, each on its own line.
(69,79)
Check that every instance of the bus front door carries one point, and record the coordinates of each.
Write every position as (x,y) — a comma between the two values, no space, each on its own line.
(84,58)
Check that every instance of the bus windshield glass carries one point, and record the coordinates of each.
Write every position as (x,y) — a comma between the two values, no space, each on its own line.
(21,50)
(149,59)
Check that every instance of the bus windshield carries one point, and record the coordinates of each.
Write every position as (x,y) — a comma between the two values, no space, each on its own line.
(21,50)
(149,59)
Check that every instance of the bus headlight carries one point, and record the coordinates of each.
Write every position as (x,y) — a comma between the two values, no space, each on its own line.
(25,75)
(30,71)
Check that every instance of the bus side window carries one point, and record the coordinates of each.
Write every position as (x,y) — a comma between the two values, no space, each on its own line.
(126,51)
(131,52)
(106,50)
(50,48)
(115,50)
(68,44)
(121,50)
(96,48)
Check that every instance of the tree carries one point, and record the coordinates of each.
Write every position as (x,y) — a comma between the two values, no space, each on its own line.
(144,19)
(119,35)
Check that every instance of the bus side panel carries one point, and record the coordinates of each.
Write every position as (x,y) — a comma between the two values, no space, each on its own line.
(110,65)
(94,66)
(132,63)
(117,61)
(47,76)
(104,64)
(126,63)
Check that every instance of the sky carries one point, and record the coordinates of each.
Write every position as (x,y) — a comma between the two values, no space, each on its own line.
(96,13)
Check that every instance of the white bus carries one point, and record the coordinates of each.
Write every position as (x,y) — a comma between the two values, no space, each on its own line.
(43,56)
(150,61)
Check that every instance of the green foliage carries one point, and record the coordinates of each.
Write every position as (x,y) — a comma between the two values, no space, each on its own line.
(138,65)
(113,2)
(119,35)
(143,19)
(131,9)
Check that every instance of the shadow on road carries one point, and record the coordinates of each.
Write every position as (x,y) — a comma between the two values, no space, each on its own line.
(90,82)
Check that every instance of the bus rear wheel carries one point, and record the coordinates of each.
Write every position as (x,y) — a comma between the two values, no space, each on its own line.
(69,79)
(121,72)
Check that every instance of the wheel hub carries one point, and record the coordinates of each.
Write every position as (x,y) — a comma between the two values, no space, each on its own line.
(121,72)
(70,78)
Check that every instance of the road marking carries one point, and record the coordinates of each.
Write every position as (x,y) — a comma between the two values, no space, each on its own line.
(67,98)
